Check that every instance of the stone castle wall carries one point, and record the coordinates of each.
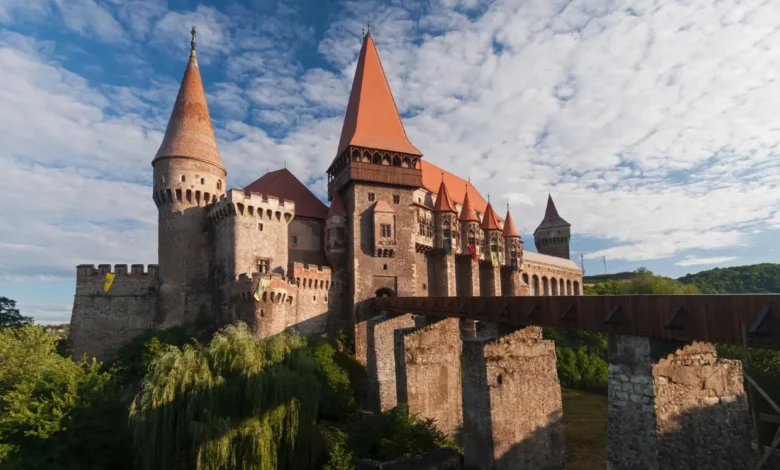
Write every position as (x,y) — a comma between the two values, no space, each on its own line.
(306,241)
(102,322)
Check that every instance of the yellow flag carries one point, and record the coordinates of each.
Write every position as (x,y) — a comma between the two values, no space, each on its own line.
(108,282)
(261,288)
(494,258)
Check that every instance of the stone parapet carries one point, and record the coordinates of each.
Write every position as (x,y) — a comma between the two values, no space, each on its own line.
(244,203)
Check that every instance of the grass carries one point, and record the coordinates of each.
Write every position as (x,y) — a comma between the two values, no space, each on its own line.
(585,418)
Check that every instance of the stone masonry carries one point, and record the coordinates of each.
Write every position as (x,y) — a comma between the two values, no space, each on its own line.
(512,403)
(675,406)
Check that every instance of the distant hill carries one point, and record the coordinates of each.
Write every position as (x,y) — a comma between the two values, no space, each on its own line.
(624,276)
(754,279)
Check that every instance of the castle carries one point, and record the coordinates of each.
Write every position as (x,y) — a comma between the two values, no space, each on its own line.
(273,255)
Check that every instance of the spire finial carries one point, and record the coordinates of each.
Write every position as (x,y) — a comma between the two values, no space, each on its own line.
(369,27)
(363,32)
(442,177)
(488,198)
(192,43)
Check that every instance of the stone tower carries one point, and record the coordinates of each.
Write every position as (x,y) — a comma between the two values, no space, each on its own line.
(552,236)
(511,283)
(446,241)
(375,173)
(188,177)
(494,253)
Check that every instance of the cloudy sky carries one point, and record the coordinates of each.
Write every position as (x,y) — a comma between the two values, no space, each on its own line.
(652,122)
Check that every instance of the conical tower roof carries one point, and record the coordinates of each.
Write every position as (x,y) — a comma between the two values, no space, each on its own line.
(337,206)
(372,119)
(443,200)
(490,220)
(190,133)
(509,226)
(551,217)
(467,213)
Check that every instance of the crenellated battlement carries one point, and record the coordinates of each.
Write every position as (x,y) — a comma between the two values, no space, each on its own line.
(90,281)
(84,272)
(249,204)
(309,276)
(278,291)
(169,196)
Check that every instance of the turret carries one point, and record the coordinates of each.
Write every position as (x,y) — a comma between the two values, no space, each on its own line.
(491,231)
(469,228)
(552,236)
(445,219)
(188,177)
(513,244)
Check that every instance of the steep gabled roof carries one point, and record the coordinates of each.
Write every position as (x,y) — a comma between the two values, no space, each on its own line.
(509,226)
(372,119)
(490,220)
(551,217)
(431,179)
(443,200)
(382,206)
(337,206)
(284,185)
(467,213)
(189,132)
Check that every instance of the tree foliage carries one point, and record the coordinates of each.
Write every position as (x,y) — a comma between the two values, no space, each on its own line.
(56,413)
(755,279)
(9,314)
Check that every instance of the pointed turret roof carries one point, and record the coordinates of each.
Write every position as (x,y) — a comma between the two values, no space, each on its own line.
(551,217)
(509,226)
(490,220)
(443,200)
(372,119)
(190,133)
(467,213)
(336,206)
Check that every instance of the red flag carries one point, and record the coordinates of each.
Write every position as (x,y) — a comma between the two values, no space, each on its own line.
(473,250)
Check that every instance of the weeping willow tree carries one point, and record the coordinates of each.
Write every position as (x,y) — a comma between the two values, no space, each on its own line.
(234,403)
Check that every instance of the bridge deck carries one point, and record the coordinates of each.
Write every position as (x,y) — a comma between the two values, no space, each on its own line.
(711,318)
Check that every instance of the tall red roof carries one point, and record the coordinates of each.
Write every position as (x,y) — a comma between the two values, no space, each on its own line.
(509,226)
(189,132)
(551,217)
(431,178)
(284,185)
(490,220)
(467,213)
(443,200)
(337,206)
(372,119)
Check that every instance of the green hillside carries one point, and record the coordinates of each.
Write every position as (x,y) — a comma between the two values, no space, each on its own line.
(755,279)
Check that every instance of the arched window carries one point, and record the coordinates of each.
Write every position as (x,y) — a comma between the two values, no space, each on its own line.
(183,178)
(562,289)
(472,240)
(219,184)
(545,286)
(554,286)
(535,285)
(568,287)
(576,288)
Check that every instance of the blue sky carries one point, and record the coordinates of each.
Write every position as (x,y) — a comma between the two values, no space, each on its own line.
(652,122)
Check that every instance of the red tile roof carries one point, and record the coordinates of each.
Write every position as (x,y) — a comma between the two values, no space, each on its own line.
(509,226)
(466,211)
(489,220)
(443,200)
(337,206)
(189,132)
(372,119)
(284,185)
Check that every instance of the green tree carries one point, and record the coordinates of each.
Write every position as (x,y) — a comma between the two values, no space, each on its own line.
(9,314)
(56,413)
(755,279)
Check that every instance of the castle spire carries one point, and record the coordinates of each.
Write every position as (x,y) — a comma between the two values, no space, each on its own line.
(190,133)
(490,220)
(551,217)
(443,200)
(467,213)
(372,119)
(509,225)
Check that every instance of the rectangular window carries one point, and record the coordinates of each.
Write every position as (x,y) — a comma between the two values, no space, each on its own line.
(262,266)
(259,227)
(396,199)
(385,231)
(370,197)
(294,241)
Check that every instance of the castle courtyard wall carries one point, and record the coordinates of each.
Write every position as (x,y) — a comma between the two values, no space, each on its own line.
(306,241)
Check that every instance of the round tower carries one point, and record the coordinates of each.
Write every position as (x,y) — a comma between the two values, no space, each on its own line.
(188,177)
(471,233)
(552,236)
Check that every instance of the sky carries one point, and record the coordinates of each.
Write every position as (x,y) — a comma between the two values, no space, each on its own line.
(653,123)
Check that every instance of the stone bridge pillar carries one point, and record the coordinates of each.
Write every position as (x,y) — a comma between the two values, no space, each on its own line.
(380,359)
(490,280)
(675,406)
(445,275)
(428,372)
(512,403)
(468,286)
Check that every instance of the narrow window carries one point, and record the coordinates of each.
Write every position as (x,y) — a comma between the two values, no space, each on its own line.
(183,178)
(385,231)
(294,241)
(203,181)
(163,179)
(396,199)
(260,227)
(370,197)
(262,266)
(219,184)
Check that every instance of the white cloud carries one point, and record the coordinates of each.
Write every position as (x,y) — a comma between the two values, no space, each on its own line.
(694,261)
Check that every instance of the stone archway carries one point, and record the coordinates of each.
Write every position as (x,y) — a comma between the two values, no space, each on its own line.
(384,292)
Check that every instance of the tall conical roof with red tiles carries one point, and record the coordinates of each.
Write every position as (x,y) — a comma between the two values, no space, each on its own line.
(490,220)
(443,200)
(372,119)
(551,217)
(190,133)
(467,213)
(509,226)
